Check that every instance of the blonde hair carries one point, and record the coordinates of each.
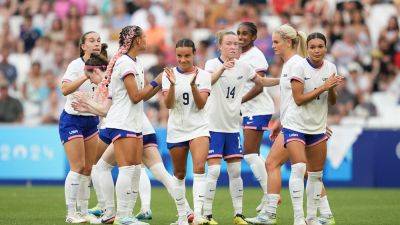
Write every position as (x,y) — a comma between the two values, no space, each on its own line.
(222,33)
(298,38)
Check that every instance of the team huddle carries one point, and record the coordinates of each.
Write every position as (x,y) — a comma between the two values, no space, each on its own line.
(104,125)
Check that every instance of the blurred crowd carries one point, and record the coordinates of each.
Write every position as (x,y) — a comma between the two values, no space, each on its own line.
(39,38)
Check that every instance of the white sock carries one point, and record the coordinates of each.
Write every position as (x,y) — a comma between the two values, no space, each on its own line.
(199,183)
(84,194)
(144,191)
(236,186)
(211,188)
(324,208)
(161,174)
(296,188)
(272,204)
(124,191)
(257,166)
(313,189)
(179,193)
(106,184)
(71,191)
(96,184)
(135,183)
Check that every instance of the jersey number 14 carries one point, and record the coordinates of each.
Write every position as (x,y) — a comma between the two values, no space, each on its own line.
(230,92)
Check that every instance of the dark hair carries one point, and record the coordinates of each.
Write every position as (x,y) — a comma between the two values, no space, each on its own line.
(126,38)
(103,50)
(82,41)
(316,35)
(98,60)
(186,43)
(128,34)
(252,27)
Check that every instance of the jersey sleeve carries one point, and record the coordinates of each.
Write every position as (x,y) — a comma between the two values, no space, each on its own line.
(165,83)
(296,73)
(209,66)
(204,81)
(260,65)
(126,69)
(71,74)
(249,71)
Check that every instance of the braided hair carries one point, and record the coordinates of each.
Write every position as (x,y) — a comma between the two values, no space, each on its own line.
(126,39)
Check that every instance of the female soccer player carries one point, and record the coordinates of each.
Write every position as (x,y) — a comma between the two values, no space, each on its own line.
(186,89)
(312,84)
(258,111)
(229,77)
(278,154)
(77,132)
(151,159)
(124,120)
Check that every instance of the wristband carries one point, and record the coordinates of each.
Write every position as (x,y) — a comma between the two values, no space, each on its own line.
(154,83)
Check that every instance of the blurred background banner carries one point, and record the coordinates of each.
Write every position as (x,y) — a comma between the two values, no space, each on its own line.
(28,153)
(356,157)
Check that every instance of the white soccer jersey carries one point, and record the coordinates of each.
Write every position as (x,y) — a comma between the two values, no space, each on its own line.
(75,70)
(147,127)
(223,105)
(285,86)
(123,113)
(186,121)
(310,118)
(262,104)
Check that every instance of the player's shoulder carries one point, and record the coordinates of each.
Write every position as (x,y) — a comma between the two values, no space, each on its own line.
(212,64)
(77,63)
(329,64)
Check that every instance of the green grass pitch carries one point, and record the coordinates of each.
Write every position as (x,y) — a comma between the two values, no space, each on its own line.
(44,205)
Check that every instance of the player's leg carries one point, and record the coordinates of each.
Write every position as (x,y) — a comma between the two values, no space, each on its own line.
(179,152)
(199,149)
(316,155)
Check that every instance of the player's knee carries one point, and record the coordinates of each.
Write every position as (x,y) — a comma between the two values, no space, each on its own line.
(199,168)
(234,170)
(271,165)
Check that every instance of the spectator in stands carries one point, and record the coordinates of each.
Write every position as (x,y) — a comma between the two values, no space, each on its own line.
(44,19)
(9,70)
(347,49)
(7,38)
(119,19)
(51,104)
(56,32)
(10,108)
(73,25)
(32,89)
(44,54)
(264,42)
(29,35)
(155,35)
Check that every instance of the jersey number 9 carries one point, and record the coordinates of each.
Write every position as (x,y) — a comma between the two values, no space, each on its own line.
(185,98)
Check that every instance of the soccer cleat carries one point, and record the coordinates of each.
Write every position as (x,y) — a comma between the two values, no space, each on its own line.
(313,222)
(200,221)
(299,221)
(107,218)
(189,216)
(326,220)
(129,220)
(92,219)
(97,211)
(211,220)
(75,218)
(239,219)
(145,215)
(263,218)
